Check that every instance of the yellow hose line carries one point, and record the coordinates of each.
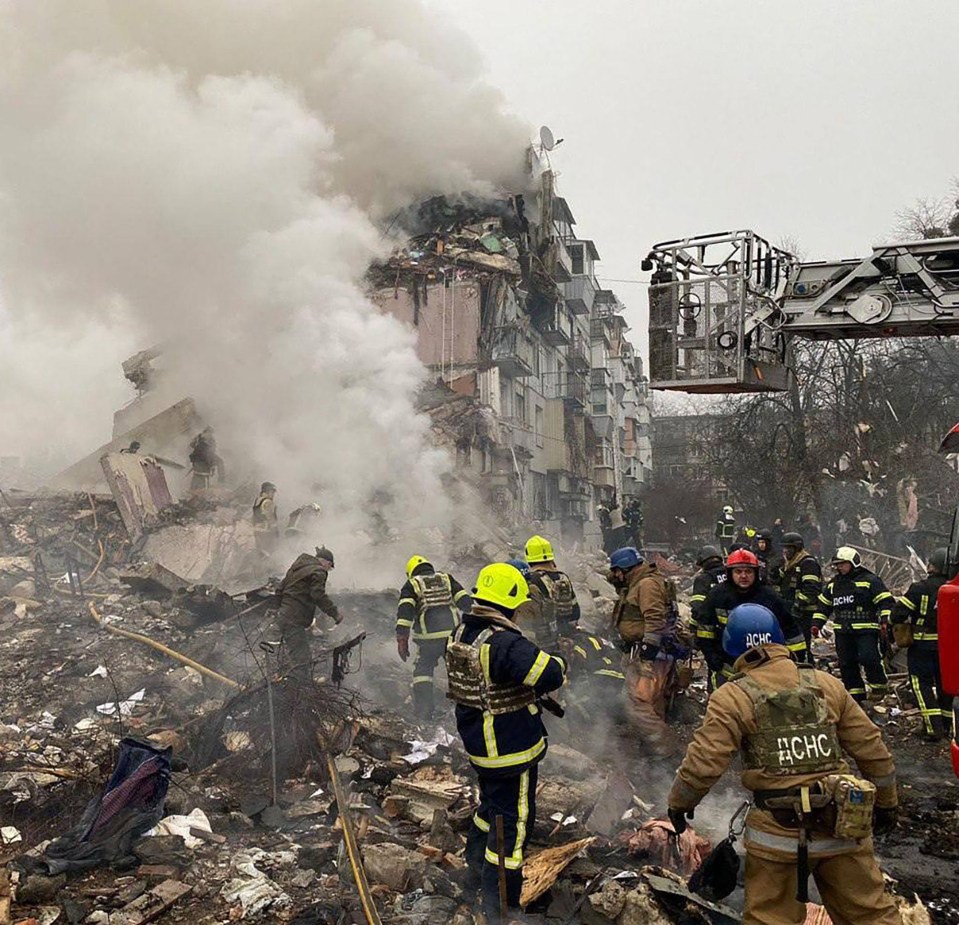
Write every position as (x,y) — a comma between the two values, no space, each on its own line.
(153,644)
(349,839)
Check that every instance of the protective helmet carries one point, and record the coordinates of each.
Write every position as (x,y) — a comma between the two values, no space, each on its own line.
(268,486)
(707,553)
(728,509)
(750,532)
(750,625)
(538,549)
(521,566)
(847,554)
(742,558)
(414,563)
(764,534)
(938,560)
(793,539)
(626,558)
(323,553)
(501,584)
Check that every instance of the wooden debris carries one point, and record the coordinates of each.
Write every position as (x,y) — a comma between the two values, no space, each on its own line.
(151,904)
(541,870)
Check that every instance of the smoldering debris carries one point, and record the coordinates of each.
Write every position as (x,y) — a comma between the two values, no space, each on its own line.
(598,852)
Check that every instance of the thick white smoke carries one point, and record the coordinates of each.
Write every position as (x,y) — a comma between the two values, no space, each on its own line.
(213,176)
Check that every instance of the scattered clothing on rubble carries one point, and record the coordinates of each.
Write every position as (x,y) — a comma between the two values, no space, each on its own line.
(130,805)
(429,610)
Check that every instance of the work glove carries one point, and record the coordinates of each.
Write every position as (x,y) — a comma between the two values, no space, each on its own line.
(403,647)
(884,819)
(678,818)
(648,651)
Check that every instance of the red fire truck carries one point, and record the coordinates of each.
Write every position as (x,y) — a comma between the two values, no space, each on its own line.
(948,611)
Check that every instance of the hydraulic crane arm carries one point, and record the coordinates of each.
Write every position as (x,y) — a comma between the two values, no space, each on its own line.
(723,306)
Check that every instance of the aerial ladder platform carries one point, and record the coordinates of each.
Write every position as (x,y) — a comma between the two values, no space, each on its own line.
(724,307)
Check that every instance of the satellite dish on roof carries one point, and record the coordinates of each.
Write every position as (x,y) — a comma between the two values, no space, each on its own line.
(546,138)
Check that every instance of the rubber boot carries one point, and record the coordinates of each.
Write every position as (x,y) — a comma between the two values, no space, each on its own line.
(423,701)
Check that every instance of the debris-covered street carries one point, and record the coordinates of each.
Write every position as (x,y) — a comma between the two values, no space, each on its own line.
(392,532)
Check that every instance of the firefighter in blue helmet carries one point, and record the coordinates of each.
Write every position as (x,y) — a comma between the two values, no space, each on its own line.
(496,675)
(794,726)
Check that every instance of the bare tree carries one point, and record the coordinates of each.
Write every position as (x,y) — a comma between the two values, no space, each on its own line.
(929,218)
(860,418)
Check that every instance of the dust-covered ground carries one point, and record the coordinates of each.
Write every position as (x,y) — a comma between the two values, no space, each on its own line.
(57,666)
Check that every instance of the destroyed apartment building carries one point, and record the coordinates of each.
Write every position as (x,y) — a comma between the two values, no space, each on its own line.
(535,385)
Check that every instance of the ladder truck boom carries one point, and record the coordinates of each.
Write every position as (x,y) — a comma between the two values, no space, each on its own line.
(723,307)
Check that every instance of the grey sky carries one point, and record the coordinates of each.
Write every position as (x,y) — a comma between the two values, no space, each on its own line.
(817,120)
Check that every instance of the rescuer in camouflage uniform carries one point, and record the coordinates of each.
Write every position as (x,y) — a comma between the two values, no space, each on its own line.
(301,591)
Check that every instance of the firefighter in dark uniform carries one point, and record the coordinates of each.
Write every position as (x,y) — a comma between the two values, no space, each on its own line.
(496,676)
(741,586)
(792,725)
(301,592)
(726,529)
(552,592)
(770,562)
(596,682)
(266,529)
(800,584)
(711,572)
(429,609)
(915,627)
(859,603)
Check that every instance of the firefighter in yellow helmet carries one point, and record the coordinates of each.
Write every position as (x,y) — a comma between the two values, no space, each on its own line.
(496,676)
(429,609)
(555,610)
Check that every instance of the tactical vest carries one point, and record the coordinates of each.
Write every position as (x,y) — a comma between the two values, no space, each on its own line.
(434,592)
(561,596)
(467,670)
(795,735)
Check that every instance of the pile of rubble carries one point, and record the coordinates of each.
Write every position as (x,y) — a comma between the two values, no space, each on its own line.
(305,803)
